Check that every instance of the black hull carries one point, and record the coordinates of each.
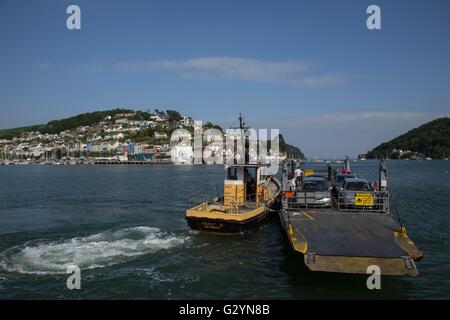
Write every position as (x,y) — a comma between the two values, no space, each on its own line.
(221,226)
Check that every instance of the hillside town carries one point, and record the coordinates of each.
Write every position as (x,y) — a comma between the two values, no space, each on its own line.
(128,136)
(132,137)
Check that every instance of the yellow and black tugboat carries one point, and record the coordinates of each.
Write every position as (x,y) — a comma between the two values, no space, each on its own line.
(250,194)
(248,198)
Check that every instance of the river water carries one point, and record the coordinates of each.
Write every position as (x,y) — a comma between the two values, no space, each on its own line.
(124,227)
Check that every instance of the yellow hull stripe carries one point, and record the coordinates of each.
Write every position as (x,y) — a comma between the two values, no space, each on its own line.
(226,216)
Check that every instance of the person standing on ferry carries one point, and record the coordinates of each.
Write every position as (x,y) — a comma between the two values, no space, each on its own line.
(298,172)
(298,176)
(292,184)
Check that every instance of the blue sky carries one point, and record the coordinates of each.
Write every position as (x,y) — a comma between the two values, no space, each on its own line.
(310,68)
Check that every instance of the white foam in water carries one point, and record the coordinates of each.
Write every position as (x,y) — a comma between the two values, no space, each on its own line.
(95,251)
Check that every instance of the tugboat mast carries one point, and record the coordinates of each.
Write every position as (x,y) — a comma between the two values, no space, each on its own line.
(242,123)
(244,129)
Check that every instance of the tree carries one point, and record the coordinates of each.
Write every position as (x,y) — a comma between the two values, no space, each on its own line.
(173,116)
(431,139)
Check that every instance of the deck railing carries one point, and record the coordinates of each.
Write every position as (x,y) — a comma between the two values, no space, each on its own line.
(375,201)
(307,199)
(201,203)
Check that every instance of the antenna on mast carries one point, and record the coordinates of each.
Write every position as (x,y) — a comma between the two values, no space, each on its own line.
(241,121)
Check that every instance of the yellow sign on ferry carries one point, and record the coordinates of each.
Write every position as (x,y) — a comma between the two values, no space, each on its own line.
(364,199)
(309,172)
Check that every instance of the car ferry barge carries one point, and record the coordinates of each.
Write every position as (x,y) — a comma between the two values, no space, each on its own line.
(346,232)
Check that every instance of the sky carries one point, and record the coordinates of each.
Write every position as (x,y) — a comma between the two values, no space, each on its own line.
(311,69)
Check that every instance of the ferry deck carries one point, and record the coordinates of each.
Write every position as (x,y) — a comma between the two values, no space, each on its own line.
(347,239)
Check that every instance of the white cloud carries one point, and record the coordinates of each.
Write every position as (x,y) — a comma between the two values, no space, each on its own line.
(288,72)
(149,65)
(247,69)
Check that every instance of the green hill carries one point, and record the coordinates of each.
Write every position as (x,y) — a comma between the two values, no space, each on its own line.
(85,119)
(17,132)
(93,118)
(57,126)
(290,150)
(431,139)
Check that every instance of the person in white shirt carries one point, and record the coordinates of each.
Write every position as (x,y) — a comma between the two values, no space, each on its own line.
(298,172)
(299,176)
(292,184)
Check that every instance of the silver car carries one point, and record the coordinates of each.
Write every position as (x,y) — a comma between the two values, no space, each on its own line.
(356,192)
(314,192)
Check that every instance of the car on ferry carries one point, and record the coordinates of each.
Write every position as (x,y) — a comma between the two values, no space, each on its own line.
(339,182)
(314,183)
(314,192)
(356,192)
(316,175)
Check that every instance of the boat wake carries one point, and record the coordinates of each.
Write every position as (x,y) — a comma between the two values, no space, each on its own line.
(95,251)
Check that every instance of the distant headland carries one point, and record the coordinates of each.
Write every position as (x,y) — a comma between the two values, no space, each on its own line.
(429,141)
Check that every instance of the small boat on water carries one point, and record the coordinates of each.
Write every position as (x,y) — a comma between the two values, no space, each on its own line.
(249,196)
(250,193)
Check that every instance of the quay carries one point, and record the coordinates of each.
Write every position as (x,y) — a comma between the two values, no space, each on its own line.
(89,162)
(132,162)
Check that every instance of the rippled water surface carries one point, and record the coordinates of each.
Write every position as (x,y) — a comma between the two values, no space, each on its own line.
(124,226)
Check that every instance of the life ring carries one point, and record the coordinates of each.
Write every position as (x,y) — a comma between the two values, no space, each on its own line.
(289,194)
(261,192)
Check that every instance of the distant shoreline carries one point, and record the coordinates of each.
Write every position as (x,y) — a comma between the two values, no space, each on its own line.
(96,162)
(86,162)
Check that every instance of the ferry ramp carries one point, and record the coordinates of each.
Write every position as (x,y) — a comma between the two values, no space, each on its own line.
(350,242)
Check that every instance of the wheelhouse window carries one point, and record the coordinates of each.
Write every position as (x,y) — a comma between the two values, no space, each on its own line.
(232,173)
(249,174)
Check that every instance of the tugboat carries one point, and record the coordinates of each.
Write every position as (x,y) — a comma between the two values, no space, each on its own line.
(249,196)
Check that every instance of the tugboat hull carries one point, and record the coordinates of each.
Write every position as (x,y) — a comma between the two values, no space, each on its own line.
(228,216)
(223,226)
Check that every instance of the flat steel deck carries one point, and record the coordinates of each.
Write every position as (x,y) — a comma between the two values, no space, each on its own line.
(349,242)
